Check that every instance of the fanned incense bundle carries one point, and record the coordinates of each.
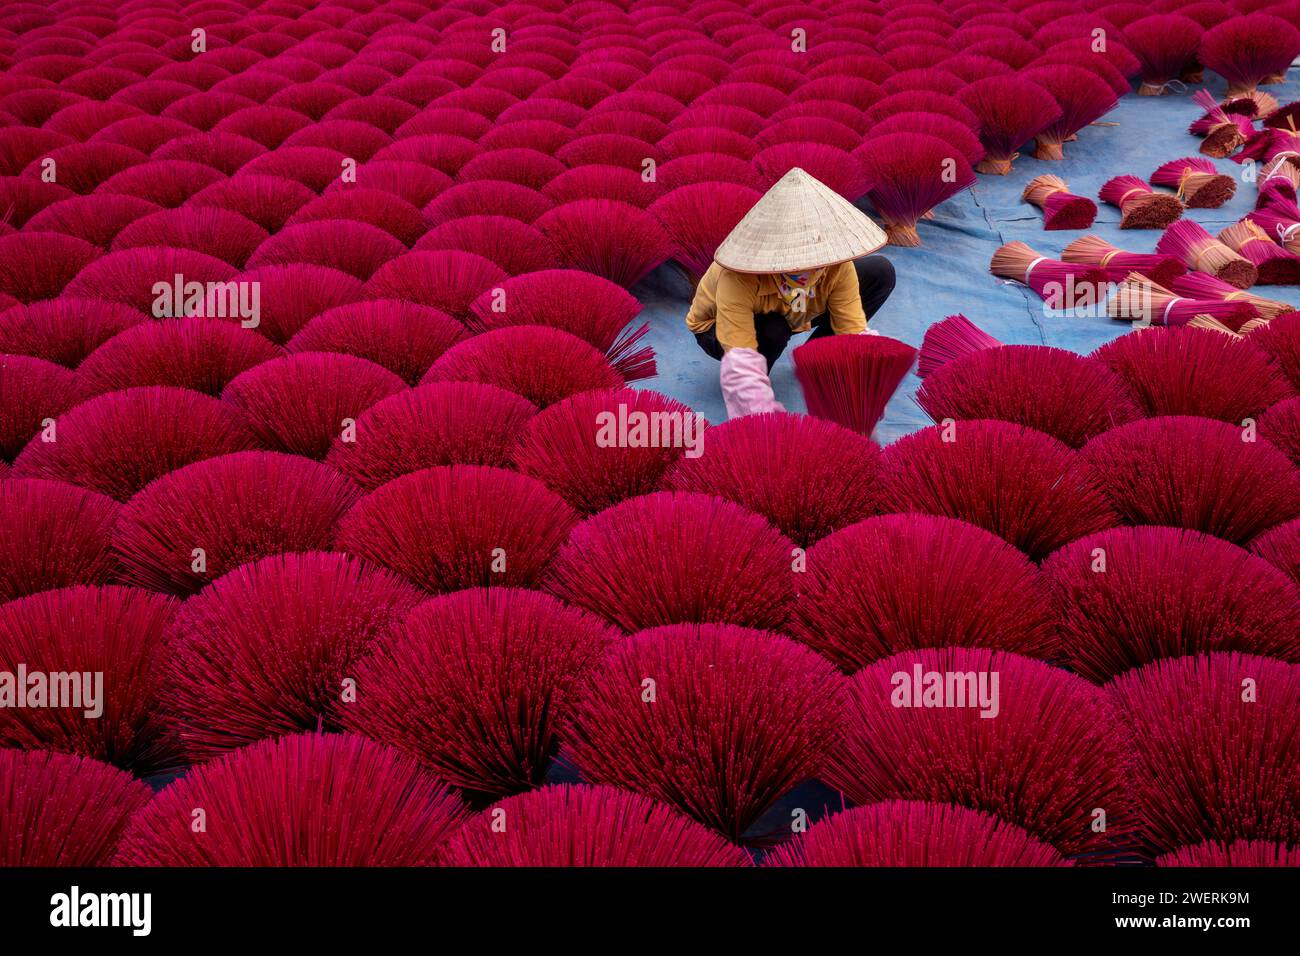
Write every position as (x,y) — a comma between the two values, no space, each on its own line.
(1201,252)
(1061,208)
(1011,111)
(1138,299)
(1249,50)
(1222,131)
(950,339)
(1140,206)
(1062,285)
(1198,183)
(1164,43)
(849,379)
(1204,286)
(1083,98)
(1274,264)
(911,173)
(1118,263)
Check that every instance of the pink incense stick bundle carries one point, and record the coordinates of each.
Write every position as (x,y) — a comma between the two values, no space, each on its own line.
(1164,43)
(1269,144)
(1083,98)
(1222,131)
(1201,285)
(1249,50)
(1140,206)
(1198,183)
(1061,285)
(1281,221)
(908,172)
(1274,264)
(1011,111)
(849,379)
(1278,117)
(1061,208)
(1118,263)
(1279,178)
(1201,252)
(950,339)
(1138,299)
(1254,105)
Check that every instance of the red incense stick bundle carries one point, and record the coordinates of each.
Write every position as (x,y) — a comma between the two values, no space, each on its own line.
(1275,265)
(1138,299)
(1269,144)
(1222,131)
(1200,285)
(1255,104)
(1083,98)
(1201,252)
(1278,116)
(1279,177)
(1281,221)
(849,379)
(1096,251)
(1198,183)
(950,339)
(1061,208)
(1164,43)
(1140,206)
(1061,285)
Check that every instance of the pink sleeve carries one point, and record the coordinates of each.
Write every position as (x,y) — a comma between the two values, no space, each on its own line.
(746,389)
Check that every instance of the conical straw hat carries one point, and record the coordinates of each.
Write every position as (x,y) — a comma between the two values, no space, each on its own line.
(799,224)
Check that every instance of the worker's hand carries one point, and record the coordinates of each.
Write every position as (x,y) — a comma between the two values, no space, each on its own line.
(868,332)
(746,389)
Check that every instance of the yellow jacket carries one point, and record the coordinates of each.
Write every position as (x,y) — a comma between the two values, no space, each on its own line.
(732,299)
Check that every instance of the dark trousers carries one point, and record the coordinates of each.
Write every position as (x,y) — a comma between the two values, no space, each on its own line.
(875,283)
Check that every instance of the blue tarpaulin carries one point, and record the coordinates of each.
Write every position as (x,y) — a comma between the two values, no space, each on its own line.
(949,272)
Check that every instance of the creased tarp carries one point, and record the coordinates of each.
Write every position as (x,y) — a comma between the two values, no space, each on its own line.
(949,272)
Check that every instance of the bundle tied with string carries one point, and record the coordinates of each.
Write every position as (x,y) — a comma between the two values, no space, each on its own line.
(1279,179)
(1274,264)
(1280,220)
(1275,116)
(1202,285)
(1201,252)
(1061,208)
(1164,43)
(1222,131)
(1140,206)
(1268,144)
(1062,285)
(1254,104)
(1197,182)
(1138,299)
(1118,263)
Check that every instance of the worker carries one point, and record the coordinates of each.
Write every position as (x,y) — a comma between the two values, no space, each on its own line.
(798,261)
